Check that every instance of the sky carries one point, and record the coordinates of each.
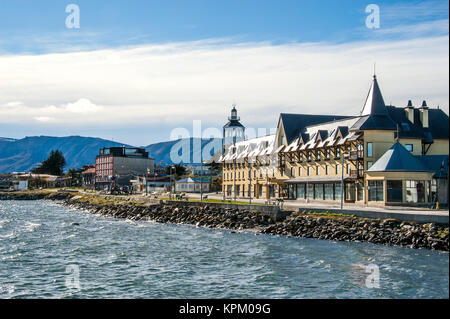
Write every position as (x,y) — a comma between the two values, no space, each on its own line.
(137,71)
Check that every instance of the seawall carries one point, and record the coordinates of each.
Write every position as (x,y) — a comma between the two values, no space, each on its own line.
(318,225)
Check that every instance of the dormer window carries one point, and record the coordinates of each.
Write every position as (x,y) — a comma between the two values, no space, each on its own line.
(405,127)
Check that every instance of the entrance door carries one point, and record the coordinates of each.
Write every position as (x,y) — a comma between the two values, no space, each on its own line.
(350,191)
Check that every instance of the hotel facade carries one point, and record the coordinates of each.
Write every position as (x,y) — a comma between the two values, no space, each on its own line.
(384,156)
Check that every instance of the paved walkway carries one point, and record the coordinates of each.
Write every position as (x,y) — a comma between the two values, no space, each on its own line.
(291,204)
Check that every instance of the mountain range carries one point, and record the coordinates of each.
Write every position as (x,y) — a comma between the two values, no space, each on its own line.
(22,155)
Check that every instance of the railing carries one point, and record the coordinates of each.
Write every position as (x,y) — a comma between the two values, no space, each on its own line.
(356,173)
(356,155)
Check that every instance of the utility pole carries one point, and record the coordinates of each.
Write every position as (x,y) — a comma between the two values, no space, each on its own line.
(201,179)
(250,179)
(234,179)
(342,180)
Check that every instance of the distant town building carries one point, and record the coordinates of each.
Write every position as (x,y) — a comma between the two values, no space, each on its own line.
(88,176)
(192,185)
(118,165)
(200,170)
(155,183)
(386,155)
(25,181)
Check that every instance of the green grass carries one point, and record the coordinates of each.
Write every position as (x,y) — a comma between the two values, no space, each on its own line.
(327,214)
(197,200)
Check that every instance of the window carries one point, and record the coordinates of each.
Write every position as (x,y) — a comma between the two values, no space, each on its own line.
(292,172)
(299,171)
(376,193)
(327,154)
(328,191)
(310,191)
(309,156)
(337,169)
(317,170)
(409,147)
(291,192)
(327,170)
(317,155)
(318,191)
(416,191)
(308,171)
(369,149)
(338,152)
(394,191)
(369,164)
(405,127)
(301,191)
(337,191)
(360,192)
(282,140)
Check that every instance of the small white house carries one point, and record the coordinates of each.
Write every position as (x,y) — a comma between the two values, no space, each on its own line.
(21,185)
(192,185)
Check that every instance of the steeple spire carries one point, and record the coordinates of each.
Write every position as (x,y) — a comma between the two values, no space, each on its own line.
(374,103)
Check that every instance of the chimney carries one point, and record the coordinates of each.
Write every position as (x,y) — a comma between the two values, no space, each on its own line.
(410,111)
(424,114)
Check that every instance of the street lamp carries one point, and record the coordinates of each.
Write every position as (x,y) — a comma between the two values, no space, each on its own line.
(344,155)
(173,180)
(250,180)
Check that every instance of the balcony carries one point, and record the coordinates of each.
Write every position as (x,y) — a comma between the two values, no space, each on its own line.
(356,155)
(356,173)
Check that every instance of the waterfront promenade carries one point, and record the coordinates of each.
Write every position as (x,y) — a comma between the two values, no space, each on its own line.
(418,214)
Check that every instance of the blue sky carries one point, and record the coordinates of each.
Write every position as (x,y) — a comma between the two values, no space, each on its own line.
(38,26)
(260,40)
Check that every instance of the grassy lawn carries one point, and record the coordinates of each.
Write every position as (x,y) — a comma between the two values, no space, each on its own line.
(197,200)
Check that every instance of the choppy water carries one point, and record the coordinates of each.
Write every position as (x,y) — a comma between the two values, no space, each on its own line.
(39,246)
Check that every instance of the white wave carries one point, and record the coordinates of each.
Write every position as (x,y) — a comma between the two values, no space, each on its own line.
(30,226)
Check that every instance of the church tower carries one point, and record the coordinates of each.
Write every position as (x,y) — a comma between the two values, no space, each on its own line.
(233,131)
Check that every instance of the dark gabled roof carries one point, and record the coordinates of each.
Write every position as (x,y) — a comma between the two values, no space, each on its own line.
(304,138)
(437,119)
(294,124)
(323,134)
(233,123)
(374,122)
(398,159)
(397,120)
(374,102)
(438,123)
(434,163)
(374,115)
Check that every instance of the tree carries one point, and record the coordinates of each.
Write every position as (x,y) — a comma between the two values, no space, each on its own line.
(75,177)
(53,165)
(179,170)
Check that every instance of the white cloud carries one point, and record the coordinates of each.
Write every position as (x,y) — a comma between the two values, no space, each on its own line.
(176,83)
(82,106)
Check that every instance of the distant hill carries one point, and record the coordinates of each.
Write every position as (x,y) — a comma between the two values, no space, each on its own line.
(161,151)
(25,154)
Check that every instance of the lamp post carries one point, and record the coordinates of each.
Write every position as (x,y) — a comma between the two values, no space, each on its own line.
(342,180)
(201,182)
(173,180)
(250,180)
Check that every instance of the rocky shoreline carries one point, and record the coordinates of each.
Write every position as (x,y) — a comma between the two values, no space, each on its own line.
(319,226)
